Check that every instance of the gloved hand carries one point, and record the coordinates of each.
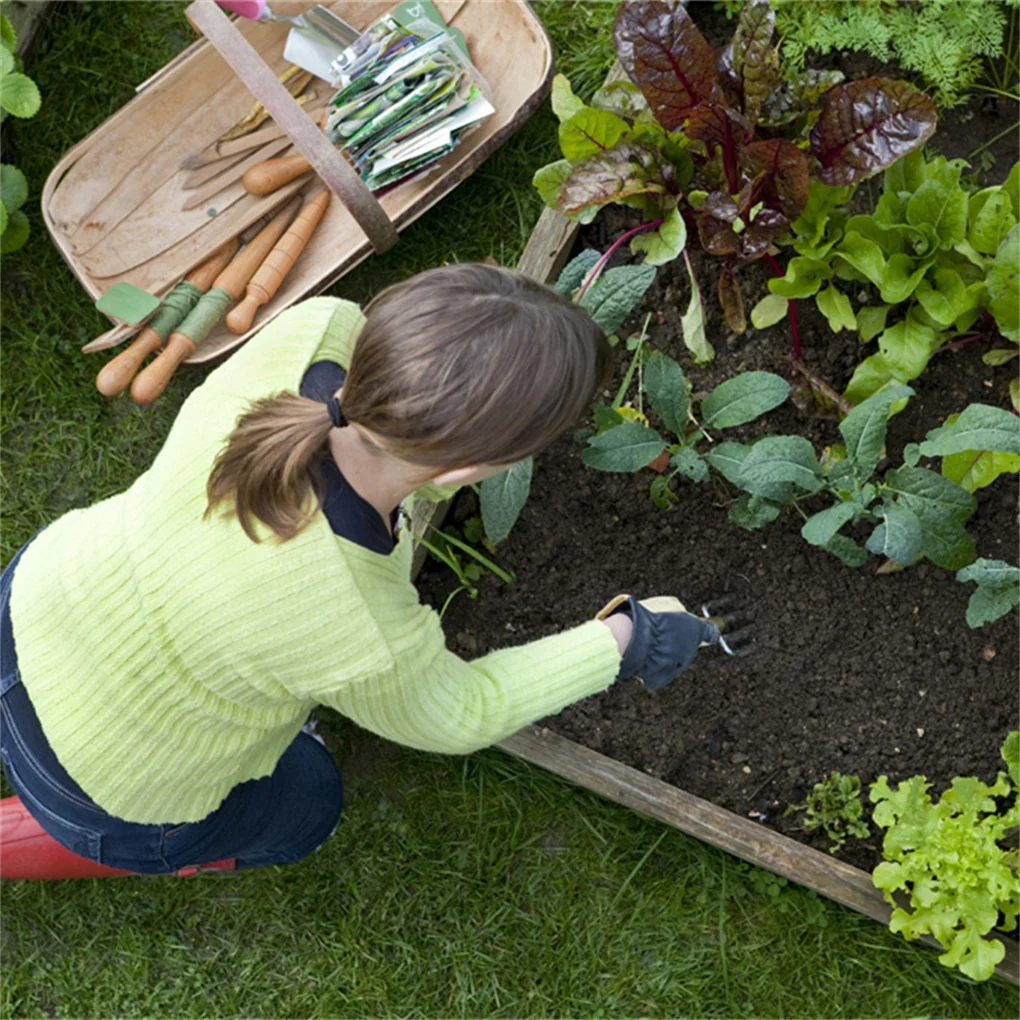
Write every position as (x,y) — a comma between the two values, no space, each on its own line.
(665,638)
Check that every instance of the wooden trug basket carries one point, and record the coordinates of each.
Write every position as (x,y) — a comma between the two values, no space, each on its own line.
(113,202)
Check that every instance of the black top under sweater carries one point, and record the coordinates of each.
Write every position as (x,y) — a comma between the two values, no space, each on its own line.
(349,514)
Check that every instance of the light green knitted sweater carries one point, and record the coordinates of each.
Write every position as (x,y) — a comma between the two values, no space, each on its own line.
(169,658)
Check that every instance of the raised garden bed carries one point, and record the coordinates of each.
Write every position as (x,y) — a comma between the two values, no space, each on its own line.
(857,671)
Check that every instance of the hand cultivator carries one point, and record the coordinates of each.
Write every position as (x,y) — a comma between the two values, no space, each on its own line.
(735,623)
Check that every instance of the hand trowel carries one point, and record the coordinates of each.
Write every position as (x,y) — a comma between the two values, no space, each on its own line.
(316,37)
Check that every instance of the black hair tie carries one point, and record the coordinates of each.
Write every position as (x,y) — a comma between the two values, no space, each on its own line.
(336,416)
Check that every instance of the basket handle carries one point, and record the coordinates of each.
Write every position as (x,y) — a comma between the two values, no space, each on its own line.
(327,162)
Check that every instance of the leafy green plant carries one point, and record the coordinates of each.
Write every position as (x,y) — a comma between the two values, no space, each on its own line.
(998,590)
(19,96)
(835,806)
(947,856)
(976,446)
(935,262)
(1002,69)
(914,511)
(690,140)
(446,546)
(945,42)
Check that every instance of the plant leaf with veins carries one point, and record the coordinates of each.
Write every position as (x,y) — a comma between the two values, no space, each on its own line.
(502,498)
(616,294)
(627,447)
(667,391)
(666,56)
(898,536)
(692,325)
(864,429)
(743,398)
(867,125)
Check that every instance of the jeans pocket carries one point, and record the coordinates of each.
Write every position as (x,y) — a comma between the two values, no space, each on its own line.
(175,844)
(21,745)
(79,839)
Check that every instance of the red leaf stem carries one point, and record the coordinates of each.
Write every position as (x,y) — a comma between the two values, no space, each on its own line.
(597,268)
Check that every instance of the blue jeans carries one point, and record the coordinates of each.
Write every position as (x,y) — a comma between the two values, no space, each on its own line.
(275,820)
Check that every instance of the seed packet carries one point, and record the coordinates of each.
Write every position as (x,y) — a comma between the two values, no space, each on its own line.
(407,92)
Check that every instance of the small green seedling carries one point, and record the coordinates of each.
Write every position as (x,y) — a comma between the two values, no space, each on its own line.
(444,547)
(835,805)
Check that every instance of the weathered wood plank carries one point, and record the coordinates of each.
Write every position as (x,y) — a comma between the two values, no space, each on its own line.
(27,17)
(715,825)
(425,515)
(549,246)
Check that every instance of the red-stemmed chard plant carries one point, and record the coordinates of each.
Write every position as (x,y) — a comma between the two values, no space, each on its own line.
(713,147)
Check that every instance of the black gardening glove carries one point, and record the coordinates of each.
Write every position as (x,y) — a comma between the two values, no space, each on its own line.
(665,639)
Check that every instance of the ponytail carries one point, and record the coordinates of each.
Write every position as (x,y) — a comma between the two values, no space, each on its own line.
(270,468)
(466,364)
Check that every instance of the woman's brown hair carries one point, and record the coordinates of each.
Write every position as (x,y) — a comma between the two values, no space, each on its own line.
(463,365)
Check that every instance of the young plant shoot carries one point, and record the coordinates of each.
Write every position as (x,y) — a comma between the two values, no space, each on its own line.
(835,806)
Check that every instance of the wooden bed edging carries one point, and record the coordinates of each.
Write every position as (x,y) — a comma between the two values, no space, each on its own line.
(750,841)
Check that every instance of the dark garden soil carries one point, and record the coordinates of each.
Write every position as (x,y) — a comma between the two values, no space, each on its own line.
(856,671)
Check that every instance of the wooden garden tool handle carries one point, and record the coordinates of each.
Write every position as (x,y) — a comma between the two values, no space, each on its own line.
(115,376)
(242,268)
(117,373)
(278,263)
(153,379)
(271,174)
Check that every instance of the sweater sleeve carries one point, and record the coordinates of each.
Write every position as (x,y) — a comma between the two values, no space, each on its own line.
(276,357)
(435,701)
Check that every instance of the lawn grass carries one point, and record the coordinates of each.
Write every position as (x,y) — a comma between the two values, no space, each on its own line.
(454,887)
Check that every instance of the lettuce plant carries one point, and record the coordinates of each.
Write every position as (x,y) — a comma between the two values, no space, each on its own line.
(693,140)
(835,806)
(947,856)
(937,263)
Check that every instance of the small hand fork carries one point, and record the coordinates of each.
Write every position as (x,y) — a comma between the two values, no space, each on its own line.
(736,630)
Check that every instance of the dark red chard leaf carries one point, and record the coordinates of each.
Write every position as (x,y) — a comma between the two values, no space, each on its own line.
(761,215)
(755,62)
(788,172)
(866,126)
(728,77)
(612,176)
(744,228)
(716,217)
(731,299)
(718,126)
(666,57)
(723,130)
(768,226)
